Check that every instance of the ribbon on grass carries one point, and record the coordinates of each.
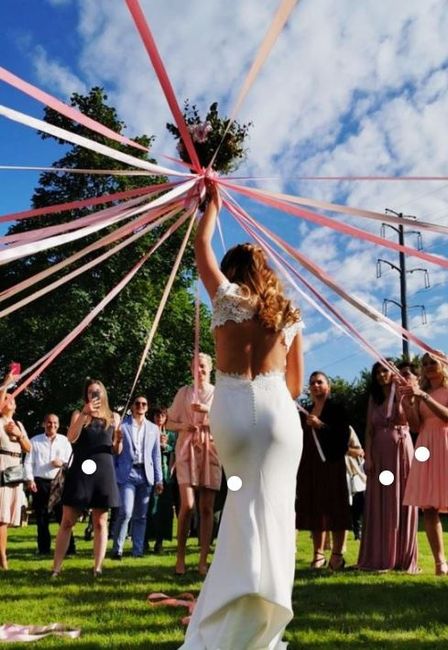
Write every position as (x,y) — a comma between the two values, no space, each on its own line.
(319,219)
(359,304)
(69,111)
(85,203)
(49,357)
(11,632)
(18,251)
(87,143)
(85,267)
(162,75)
(163,301)
(197,333)
(182,600)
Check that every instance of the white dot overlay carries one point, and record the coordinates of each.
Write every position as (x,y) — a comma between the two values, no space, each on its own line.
(234,483)
(386,477)
(422,454)
(89,466)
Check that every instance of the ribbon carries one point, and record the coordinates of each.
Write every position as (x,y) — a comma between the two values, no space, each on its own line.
(63,134)
(197,326)
(74,205)
(162,303)
(11,632)
(69,111)
(281,16)
(160,70)
(17,251)
(263,197)
(91,264)
(315,438)
(50,356)
(183,600)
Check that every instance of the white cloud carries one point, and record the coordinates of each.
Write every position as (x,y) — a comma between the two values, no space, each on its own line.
(55,76)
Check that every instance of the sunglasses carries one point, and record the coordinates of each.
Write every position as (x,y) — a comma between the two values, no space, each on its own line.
(139,403)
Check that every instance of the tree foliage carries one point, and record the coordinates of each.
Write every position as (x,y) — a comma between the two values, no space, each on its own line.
(111,346)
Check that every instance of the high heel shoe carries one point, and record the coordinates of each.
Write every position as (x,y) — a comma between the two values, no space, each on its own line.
(319,561)
(97,573)
(441,568)
(54,575)
(339,564)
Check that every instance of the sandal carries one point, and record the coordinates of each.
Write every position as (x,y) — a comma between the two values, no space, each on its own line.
(441,568)
(339,564)
(319,561)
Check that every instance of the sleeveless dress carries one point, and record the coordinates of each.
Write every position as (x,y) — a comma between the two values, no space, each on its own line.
(245,602)
(427,485)
(389,533)
(10,496)
(97,490)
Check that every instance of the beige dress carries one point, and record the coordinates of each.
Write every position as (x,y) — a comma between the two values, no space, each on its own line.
(10,497)
(197,462)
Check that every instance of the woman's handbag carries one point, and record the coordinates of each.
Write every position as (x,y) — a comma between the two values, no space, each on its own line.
(12,476)
(57,486)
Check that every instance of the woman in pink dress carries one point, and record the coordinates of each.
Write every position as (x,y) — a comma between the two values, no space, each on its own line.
(389,535)
(197,464)
(427,487)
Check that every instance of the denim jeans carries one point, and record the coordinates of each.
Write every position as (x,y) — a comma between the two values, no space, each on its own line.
(134,501)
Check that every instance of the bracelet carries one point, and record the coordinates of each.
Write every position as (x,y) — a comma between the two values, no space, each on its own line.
(425,397)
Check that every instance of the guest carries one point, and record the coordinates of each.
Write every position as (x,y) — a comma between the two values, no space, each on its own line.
(95,435)
(411,372)
(389,536)
(197,464)
(13,444)
(356,481)
(427,409)
(161,506)
(322,494)
(49,452)
(138,467)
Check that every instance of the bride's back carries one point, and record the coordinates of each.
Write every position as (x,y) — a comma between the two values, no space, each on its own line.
(249,348)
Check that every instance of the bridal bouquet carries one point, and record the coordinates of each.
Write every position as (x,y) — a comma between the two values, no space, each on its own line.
(207,135)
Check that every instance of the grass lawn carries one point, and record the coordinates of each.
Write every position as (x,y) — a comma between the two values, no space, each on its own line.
(343,610)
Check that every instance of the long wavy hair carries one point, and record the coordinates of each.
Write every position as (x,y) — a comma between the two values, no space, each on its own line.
(247,266)
(424,382)
(376,390)
(105,412)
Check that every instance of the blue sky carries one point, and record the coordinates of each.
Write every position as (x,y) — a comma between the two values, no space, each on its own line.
(349,89)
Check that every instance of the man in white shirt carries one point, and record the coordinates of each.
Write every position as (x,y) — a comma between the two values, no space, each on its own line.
(49,451)
(138,468)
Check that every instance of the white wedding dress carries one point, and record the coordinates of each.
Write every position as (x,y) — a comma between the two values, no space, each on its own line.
(245,602)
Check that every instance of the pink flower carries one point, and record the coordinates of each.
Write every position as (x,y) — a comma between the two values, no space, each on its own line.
(199,132)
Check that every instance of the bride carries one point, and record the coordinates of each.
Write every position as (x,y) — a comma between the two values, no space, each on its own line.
(245,602)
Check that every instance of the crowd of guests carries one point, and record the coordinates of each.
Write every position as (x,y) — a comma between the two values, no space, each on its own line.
(158,462)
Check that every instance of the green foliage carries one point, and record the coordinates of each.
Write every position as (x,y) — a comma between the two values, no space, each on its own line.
(111,346)
(207,136)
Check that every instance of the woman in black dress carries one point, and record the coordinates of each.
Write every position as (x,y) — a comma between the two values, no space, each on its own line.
(322,494)
(90,483)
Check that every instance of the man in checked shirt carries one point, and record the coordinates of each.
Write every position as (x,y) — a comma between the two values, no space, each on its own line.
(49,451)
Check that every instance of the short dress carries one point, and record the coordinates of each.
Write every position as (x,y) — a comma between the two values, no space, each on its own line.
(197,463)
(10,496)
(427,485)
(99,489)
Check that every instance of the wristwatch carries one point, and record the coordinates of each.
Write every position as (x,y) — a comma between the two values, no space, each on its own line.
(424,396)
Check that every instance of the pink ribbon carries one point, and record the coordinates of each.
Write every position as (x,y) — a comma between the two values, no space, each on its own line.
(183,600)
(263,197)
(49,357)
(10,632)
(160,70)
(69,111)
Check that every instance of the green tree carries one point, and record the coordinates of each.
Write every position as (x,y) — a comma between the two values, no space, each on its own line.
(110,348)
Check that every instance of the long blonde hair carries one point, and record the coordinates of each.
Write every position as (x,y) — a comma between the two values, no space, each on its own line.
(247,266)
(424,382)
(105,412)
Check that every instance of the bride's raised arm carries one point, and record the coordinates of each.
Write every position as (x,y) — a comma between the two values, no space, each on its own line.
(206,261)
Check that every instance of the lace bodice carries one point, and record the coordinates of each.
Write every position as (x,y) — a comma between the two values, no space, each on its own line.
(230,304)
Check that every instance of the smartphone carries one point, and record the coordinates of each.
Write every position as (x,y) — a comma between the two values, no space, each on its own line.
(95,394)
(15,368)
